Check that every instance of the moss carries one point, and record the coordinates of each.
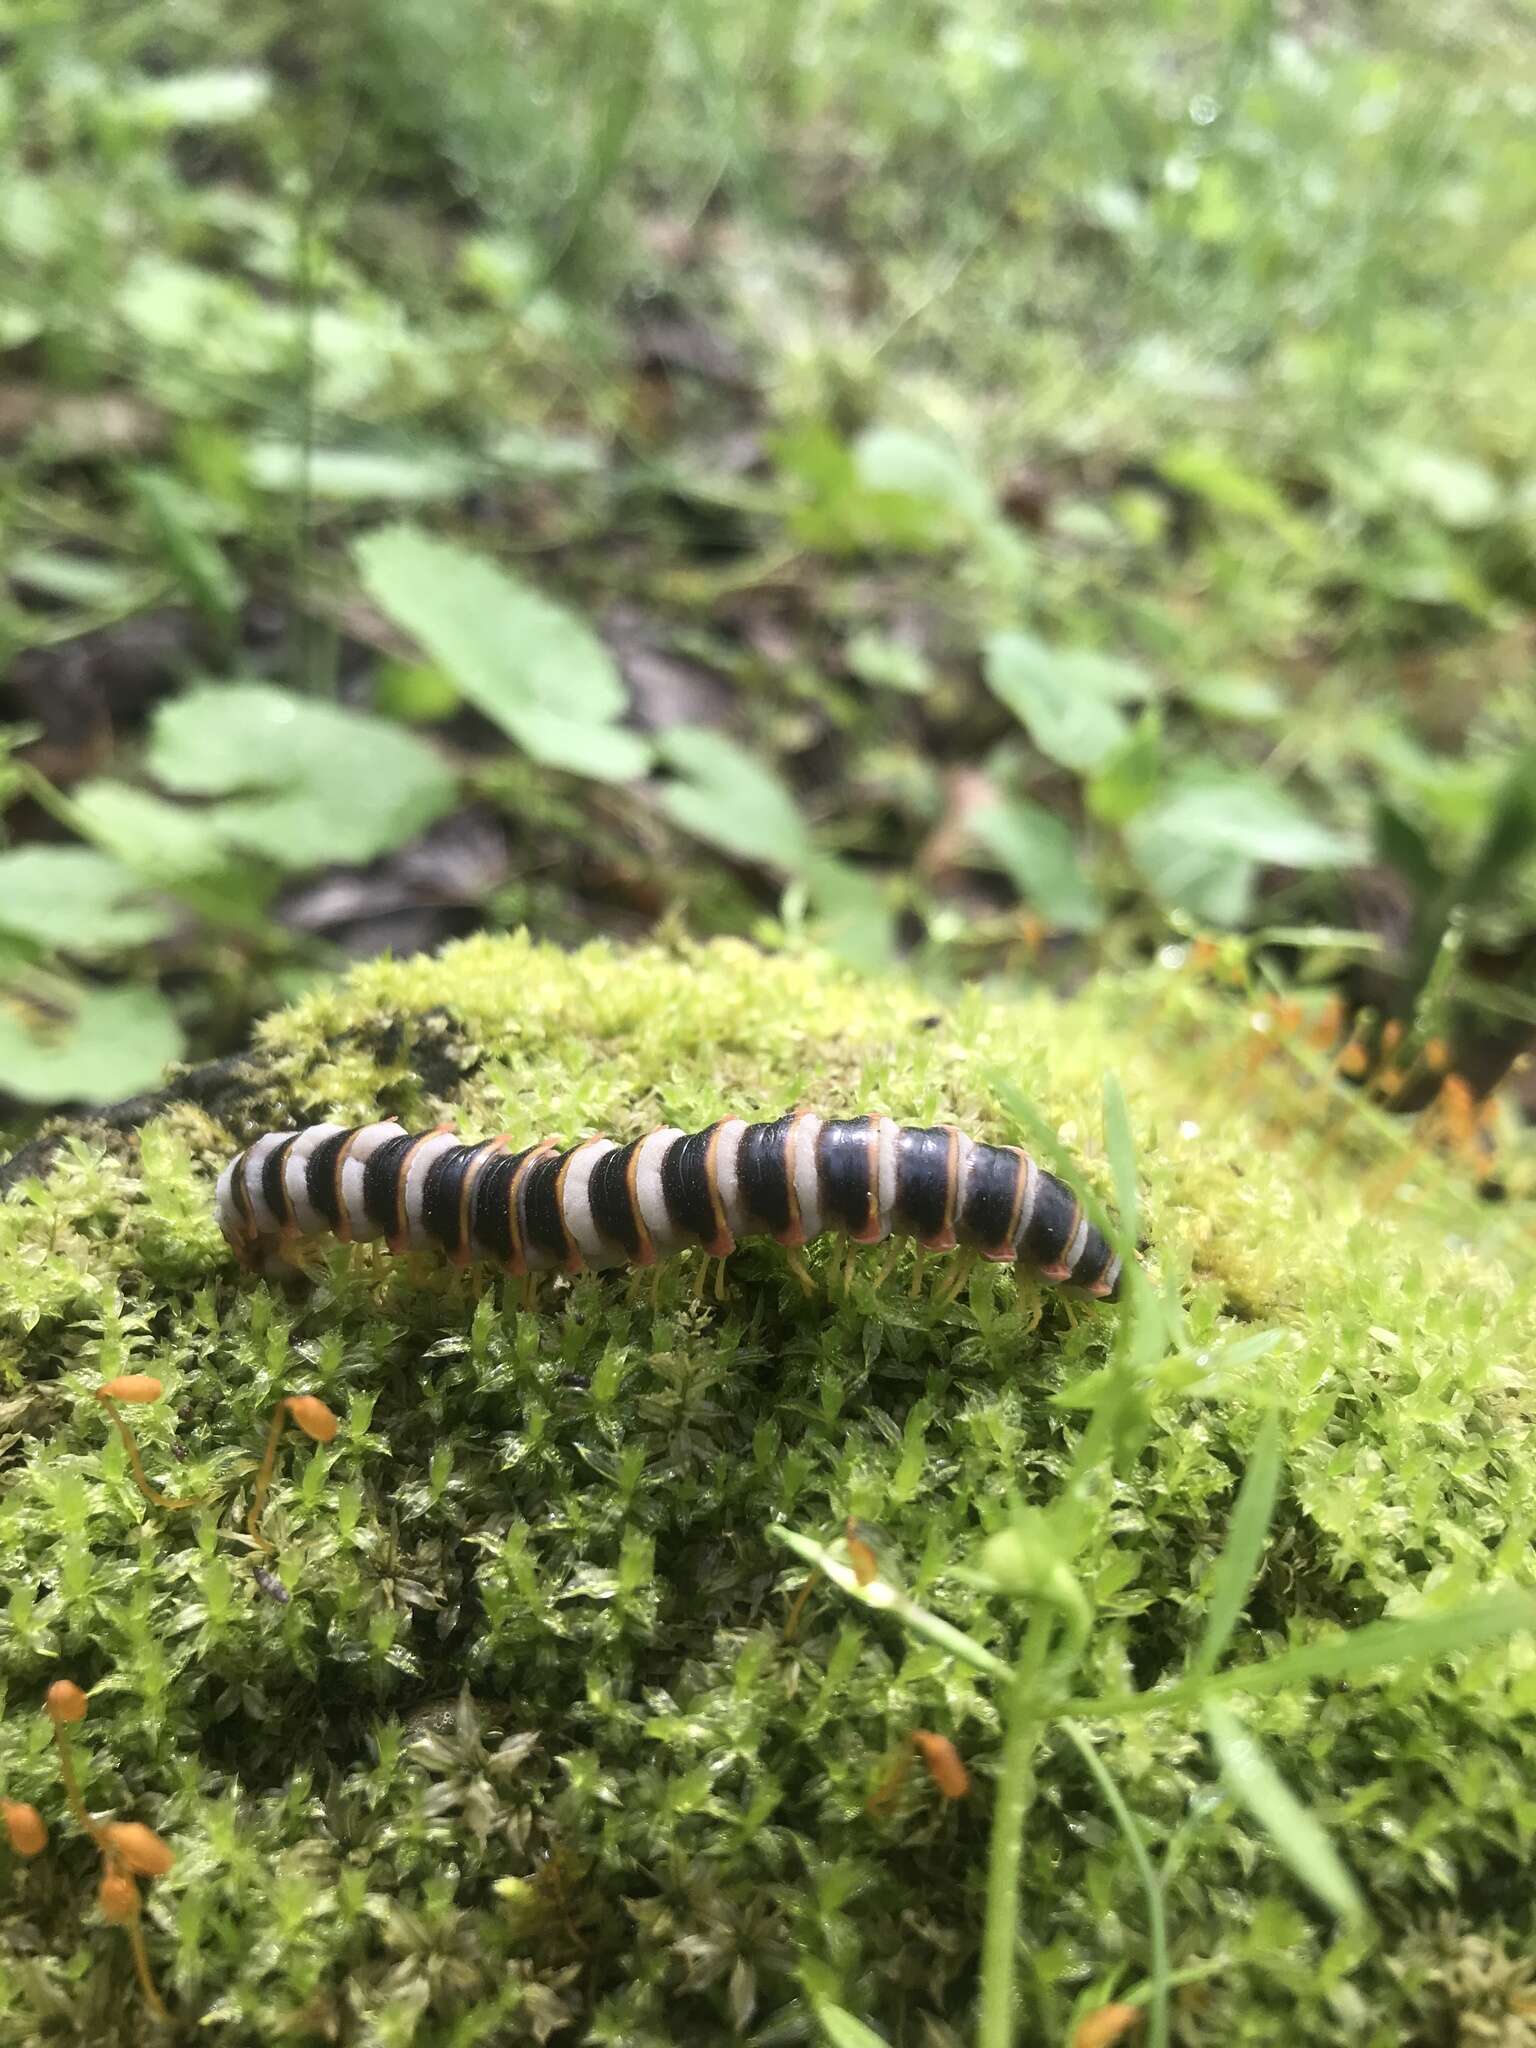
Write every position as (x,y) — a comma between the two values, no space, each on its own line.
(522,1750)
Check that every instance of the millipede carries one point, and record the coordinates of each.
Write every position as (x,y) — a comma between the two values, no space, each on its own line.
(601,1204)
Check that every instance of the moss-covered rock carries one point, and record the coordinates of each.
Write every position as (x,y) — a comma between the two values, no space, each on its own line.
(512,1742)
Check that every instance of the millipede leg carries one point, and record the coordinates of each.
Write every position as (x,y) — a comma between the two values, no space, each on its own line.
(954,1280)
(1031,1299)
(701,1275)
(720,1280)
(794,1258)
(916,1287)
(888,1263)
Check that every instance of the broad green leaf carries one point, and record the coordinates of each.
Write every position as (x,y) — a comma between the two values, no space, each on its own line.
(160,841)
(303,783)
(1038,851)
(1068,702)
(532,666)
(1244,815)
(852,913)
(889,664)
(1244,1547)
(100,1044)
(843,2030)
(1128,781)
(897,461)
(1212,885)
(356,474)
(731,799)
(1297,1836)
(75,900)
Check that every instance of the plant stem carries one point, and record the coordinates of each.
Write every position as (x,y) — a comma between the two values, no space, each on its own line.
(264,1476)
(1024,1718)
(130,1445)
(72,1783)
(146,1978)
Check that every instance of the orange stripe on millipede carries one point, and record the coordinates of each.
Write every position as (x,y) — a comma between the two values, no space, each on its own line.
(794,1231)
(1058,1268)
(463,1254)
(398,1242)
(868,1231)
(1004,1252)
(517,1264)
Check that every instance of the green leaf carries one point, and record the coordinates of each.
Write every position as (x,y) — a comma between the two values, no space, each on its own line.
(1068,702)
(1298,1837)
(889,664)
(75,579)
(852,913)
(844,2031)
(76,900)
(896,461)
(1510,839)
(1244,1547)
(172,514)
(326,784)
(1215,887)
(732,800)
(97,1045)
(1245,816)
(1039,853)
(161,842)
(1120,1144)
(531,666)
(1128,781)
(193,99)
(1401,845)
(353,475)
(1210,473)
(1246,699)
(1458,492)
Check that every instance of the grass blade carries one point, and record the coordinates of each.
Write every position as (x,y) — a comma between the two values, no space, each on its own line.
(1362,1654)
(1151,1884)
(1121,1147)
(844,2031)
(885,1598)
(1239,1560)
(1297,1836)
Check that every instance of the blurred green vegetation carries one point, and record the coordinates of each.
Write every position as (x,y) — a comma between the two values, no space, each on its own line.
(1006,493)
(1016,495)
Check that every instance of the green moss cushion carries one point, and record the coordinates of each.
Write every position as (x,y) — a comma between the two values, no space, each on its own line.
(510,1746)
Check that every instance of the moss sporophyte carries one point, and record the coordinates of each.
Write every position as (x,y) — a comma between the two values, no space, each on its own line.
(1161,1658)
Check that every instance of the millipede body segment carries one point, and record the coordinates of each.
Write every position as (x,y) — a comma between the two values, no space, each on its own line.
(602,1204)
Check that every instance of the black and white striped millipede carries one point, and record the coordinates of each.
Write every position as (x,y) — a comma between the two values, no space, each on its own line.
(602,1204)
